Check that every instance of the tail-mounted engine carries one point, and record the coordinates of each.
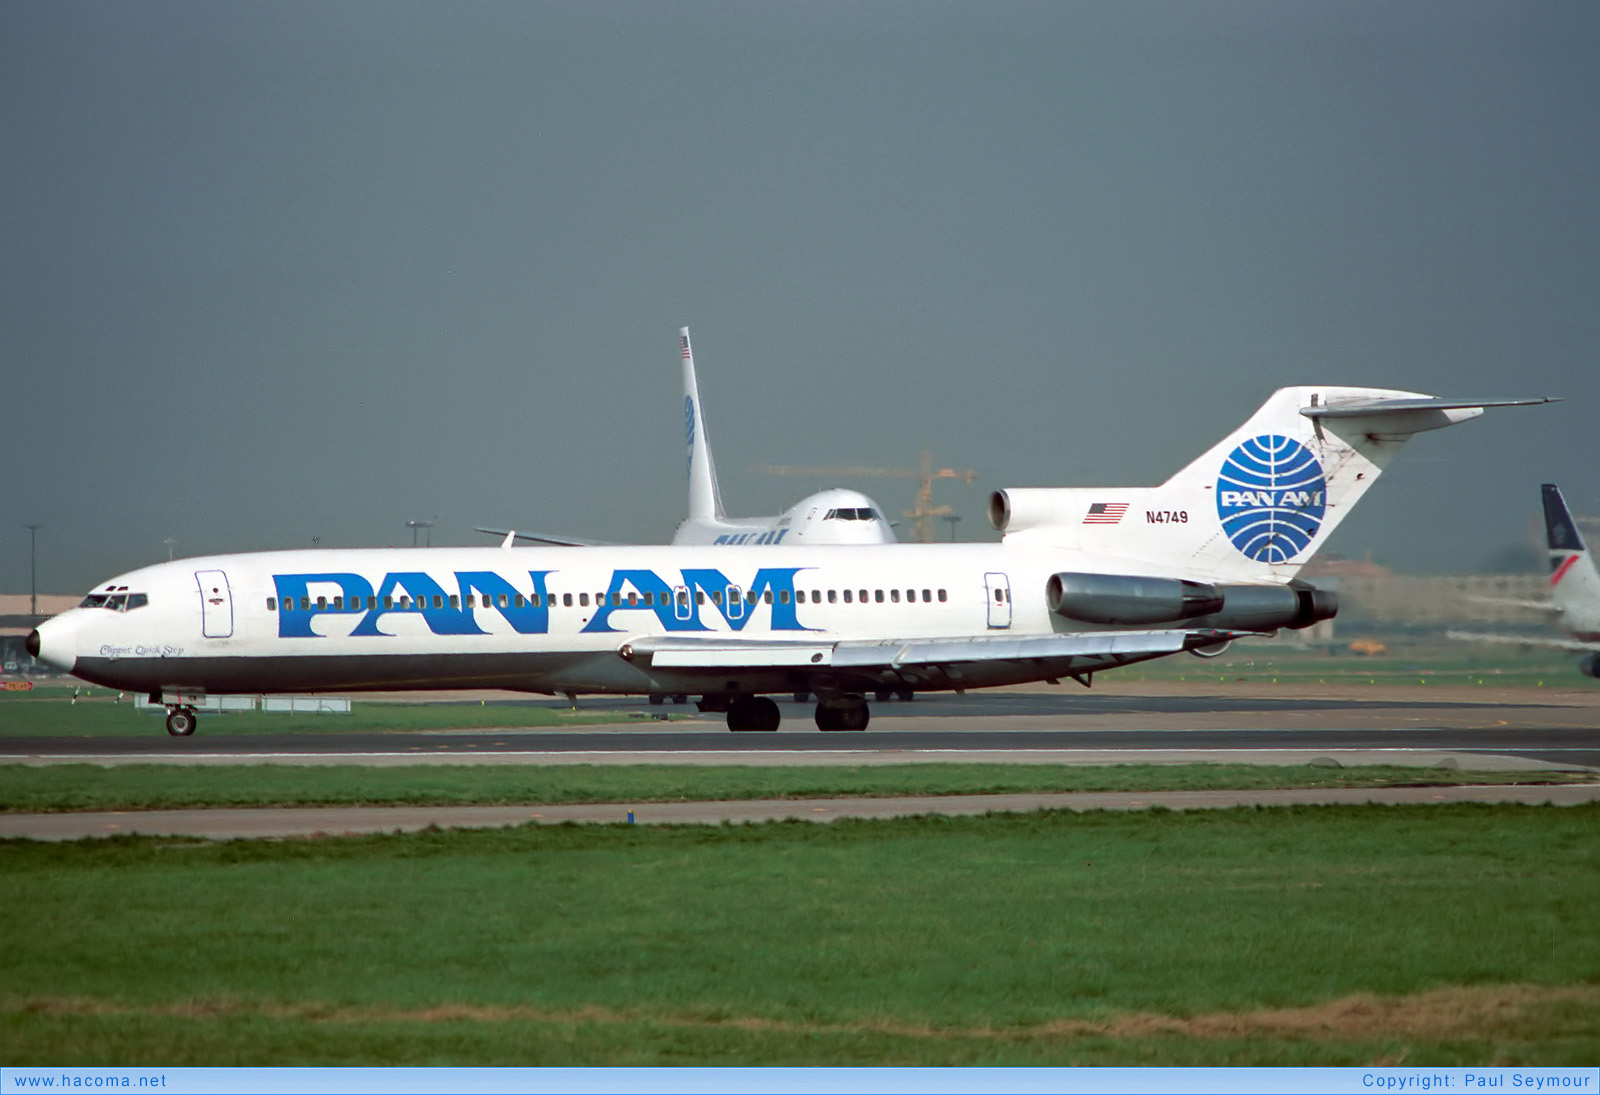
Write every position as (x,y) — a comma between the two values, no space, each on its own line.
(1130,600)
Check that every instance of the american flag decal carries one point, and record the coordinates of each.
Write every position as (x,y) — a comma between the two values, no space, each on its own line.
(683,340)
(1105,513)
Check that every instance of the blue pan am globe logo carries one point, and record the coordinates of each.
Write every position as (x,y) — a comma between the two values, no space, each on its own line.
(1271,494)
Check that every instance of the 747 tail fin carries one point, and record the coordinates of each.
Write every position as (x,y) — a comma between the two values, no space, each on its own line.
(705,500)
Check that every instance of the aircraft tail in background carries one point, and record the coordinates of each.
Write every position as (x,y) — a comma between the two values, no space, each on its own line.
(705,499)
(1574,581)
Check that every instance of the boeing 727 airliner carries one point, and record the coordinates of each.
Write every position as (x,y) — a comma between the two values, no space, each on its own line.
(1085,579)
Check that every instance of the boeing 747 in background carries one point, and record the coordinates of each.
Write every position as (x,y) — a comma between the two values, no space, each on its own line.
(835,516)
(1574,589)
(1084,580)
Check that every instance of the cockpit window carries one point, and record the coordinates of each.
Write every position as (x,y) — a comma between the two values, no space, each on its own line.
(851,513)
(116,602)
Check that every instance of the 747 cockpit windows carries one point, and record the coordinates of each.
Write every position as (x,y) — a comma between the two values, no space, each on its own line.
(864,513)
(117,599)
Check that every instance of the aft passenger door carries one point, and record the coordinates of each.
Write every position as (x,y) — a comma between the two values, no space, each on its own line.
(216,604)
(999,587)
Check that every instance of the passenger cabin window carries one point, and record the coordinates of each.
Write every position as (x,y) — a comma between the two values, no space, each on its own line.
(583,600)
(846,596)
(831,595)
(894,595)
(305,604)
(272,604)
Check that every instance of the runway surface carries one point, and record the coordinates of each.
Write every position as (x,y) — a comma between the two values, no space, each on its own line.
(1417,725)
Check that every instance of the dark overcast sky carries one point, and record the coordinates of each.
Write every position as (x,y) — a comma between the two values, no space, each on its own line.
(277,271)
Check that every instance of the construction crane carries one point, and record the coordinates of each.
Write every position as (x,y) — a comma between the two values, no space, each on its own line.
(922,514)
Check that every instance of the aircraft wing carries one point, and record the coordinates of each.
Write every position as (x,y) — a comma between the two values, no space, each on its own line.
(1513,602)
(1521,640)
(847,656)
(557,541)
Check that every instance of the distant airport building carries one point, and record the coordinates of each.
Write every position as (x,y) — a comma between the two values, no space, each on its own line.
(15,623)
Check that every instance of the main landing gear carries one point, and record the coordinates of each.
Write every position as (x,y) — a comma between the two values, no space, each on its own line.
(753,713)
(181,721)
(760,713)
(845,713)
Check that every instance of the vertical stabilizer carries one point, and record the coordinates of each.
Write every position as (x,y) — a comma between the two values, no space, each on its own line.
(705,500)
(1257,504)
(1574,581)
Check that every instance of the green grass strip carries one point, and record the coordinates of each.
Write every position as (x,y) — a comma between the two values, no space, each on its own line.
(162,787)
(1157,937)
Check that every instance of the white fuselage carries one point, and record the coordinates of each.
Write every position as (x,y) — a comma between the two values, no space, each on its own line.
(540,619)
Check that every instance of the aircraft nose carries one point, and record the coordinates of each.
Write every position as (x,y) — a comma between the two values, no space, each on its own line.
(51,643)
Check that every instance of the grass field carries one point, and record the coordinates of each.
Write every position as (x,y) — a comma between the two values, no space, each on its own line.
(162,787)
(1420,936)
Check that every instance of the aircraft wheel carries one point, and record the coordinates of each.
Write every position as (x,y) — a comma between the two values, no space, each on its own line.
(905,695)
(657,699)
(883,695)
(753,713)
(850,717)
(801,697)
(181,722)
(1590,666)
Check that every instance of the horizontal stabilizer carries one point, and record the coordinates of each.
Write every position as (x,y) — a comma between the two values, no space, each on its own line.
(1362,408)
